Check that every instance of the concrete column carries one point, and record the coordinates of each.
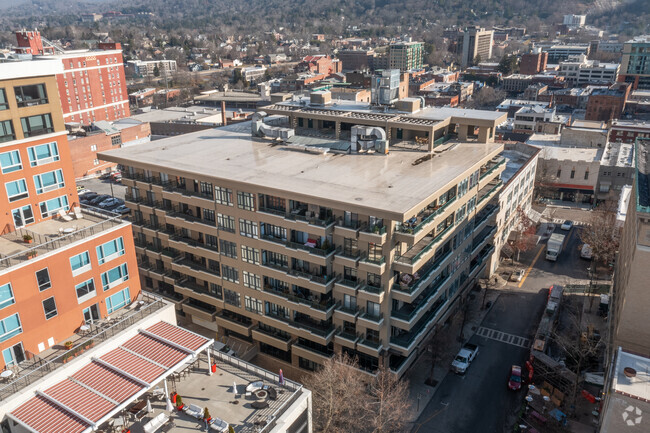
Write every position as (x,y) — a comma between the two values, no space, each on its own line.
(166,390)
(431,140)
(388,134)
(209,362)
(462,132)
(337,130)
(484,134)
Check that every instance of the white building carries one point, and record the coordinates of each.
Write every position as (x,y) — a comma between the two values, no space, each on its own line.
(573,21)
(579,70)
(253,74)
(147,68)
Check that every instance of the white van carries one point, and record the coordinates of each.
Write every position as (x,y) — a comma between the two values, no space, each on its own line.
(585,253)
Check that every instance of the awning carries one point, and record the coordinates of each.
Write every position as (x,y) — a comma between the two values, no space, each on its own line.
(102,388)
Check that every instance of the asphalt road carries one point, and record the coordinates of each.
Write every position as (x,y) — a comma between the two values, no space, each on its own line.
(104,187)
(480,401)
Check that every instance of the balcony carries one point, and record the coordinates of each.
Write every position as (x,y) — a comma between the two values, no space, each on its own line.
(148,246)
(491,166)
(312,302)
(324,280)
(319,352)
(488,189)
(407,339)
(417,251)
(480,238)
(409,311)
(485,214)
(373,233)
(230,321)
(374,345)
(422,220)
(193,243)
(274,338)
(324,330)
(480,258)
(423,273)
(353,311)
(375,290)
(350,284)
(352,256)
(175,188)
(299,215)
(199,311)
(373,318)
(349,338)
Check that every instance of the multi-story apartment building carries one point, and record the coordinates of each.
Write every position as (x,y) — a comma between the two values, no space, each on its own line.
(533,63)
(635,64)
(305,251)
(627,131)
(573,21)
(578,71)
(405,56)
(58,269)
(629,307)
(477,43)
(147,68)
(91,86)
(607,104)
(557,53)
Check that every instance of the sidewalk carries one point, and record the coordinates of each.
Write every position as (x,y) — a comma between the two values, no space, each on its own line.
(420,393)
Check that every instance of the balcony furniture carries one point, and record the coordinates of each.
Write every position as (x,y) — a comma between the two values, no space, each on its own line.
(218,425)
(194,411)
(64,216)
(68,230)
(84,329)
(77,213)
(157,422)
(254,386)
(260,404)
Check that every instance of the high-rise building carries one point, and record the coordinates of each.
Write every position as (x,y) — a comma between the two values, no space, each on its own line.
(304,249)
(533,63)
(635,65)
(60,266)
(91,85)
(573,21)
(579,70)
(405,56)
(477,43)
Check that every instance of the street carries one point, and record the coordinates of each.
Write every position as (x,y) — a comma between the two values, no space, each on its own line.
(481,397)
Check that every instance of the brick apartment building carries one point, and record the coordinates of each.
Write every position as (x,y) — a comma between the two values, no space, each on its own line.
(533,63)
(320,64)
(59,270)
(91,86)
(607,103)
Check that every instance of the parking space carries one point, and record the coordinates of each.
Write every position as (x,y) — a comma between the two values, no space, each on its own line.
(104,187)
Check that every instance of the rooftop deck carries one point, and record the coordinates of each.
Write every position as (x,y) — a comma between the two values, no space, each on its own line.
(52,234)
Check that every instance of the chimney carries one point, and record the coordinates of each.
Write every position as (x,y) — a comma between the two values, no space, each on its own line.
(223,113)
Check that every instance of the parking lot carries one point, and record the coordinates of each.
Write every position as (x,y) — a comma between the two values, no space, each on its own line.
(104,187)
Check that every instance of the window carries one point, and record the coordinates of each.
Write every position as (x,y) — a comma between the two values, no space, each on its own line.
(6,131)
(587,175)
(211,241)
(254,305)
(206,189)
(4,105)
(208,215)
(52,206)
(118,300)
(216,290)
(223,195)
(559,172)
(214,266)
(10,327)
(43,279)
(231,297)
(245,200)
(374,280)
(6,296)
(115,276)
(37,125)
(49,181)
(93,148)
(349,302)
(34,94)
(226,222)
(85,290)
(80,263)
(116,139)
(250,255)
(43,154)
(110,250)
(251,280)
(228,249)
(375,252)
(573,173)
(10,161)
(372,309)
(273,231)
(49,307)
(248,228)
(16,190)
(274,259)
(23,216)
(229,273)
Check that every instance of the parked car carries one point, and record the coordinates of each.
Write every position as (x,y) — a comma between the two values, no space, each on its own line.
(464,358)
(105,176)
(514,382)
(517,275)
(100,198)
(111,203)
(122,209)
(567,225)
(585,252)
(79,188)
(116,174)
(88,197)
(82,191)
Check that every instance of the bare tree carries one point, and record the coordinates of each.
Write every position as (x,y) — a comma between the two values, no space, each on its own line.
(338,391)
(602,235)
(525,240)
(388,404)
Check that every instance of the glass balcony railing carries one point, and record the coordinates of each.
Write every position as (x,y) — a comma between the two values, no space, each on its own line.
(416,224)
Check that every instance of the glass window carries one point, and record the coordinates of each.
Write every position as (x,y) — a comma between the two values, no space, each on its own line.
(250,255)
(228,249)
(23,216)
(85,290)
(372,308)
(49,181)
(6,131)
(10,161)
(37,125)
(229,273)
(10,327)
(206,189)
(6,296)
(110,250)
(246,200)
(226,223)
(80,263)
(231,297)
(49,307)
(34,94)
(52,206)
(248,228)
(115,276)
(4,105)
(254,305)
(16,190)
(43,154)
(43,279)
(251,280)
(118,300)
(208,215)
(223,195)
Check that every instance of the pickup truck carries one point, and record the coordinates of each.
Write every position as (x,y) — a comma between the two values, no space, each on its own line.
(464,357)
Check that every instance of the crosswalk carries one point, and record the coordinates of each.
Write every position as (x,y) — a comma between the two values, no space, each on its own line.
(503,337)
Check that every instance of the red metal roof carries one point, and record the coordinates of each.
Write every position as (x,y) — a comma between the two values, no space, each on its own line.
(99,387)
(155,350)
(133,364)
(45,417)
(178,335)
(83,401)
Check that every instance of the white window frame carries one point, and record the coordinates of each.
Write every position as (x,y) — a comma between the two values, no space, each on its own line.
(56,311)
(9,301)
(54,152)
(85,297)
(49,279)
(19,196)
(4,335)
(26,221)
(83,268)
(50,212)
(101,258)
(41,188)
(112,284)
(15,165)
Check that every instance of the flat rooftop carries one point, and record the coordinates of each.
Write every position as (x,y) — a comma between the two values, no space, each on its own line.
(618,155)
(229,96)
(49,235)
(514,161)
(637,386)
(393,183)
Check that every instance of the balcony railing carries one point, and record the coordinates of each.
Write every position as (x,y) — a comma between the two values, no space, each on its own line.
(374,260)
(373,317)
(298,217)
(194,243)
(426,249)
(353,284)
(423,273)
(406,339)
(375,229)
(323,305)
(173,187)
(494,164)
(426,218)
(490,188)
(372,289)
(408,311)
(275,334)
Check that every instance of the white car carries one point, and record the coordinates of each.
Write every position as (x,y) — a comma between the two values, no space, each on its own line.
(517,275)
(585,252)
(567,225)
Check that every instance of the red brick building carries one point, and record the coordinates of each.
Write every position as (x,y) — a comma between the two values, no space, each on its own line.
(533,63)
(627,131)
(320,64)
(607,104)
(92,86)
